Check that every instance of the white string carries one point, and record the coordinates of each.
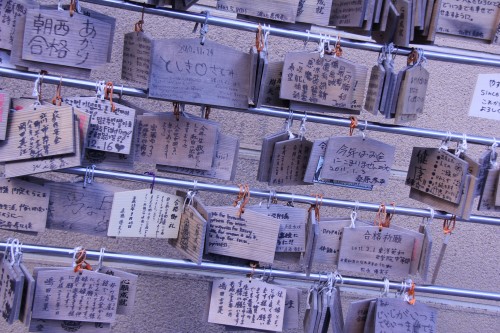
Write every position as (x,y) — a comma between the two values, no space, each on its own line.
(101,259)
(444,143)
(461,147)
(384,292)
(354,215)
(59,5)
(307,40)
(267,32)
(75,251)
(99,88)
(302,129)
(493,155)
(36,90)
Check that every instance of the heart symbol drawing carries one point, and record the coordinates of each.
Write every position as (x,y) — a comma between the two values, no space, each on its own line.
(119,147)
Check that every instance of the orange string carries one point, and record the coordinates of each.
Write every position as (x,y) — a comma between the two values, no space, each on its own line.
(207,111)
(353,125)
(109,94)
(449,225)
(177,110)
(316,206)
(72,7)
(381,217)
(411,293)
(412,57)
(259,39)
(57,100)
(80,262)
(246,199)
(338,49)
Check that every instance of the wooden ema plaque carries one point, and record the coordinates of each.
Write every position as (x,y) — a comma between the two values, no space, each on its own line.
(128,289)
(289,162)
(487,198)
(328,242)
(64,326)
(4,112)
(277,10)
(11,288)
(137,58)
(266,154)
(262,304)
(109,131)
(356,316)
(54,37)
(356,159)
(371,251)
(78,209)
(46,131)
(11,12)
(252,236)
(84,296)
(187,142)
(224,165)
(27,295)
(438,173)
(23,205)
(412,94)
(395,315)
(269,93)
(375,87)
(404,26)
(141,213)
(192,232)
(347,13)
(211,74)
(49,163)
(468,20)
(311,79)
(314,11)
(292,234)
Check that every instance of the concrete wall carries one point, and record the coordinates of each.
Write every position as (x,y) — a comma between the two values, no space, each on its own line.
(170,303)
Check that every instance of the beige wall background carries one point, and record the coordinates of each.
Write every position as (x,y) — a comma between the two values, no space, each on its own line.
(176,303)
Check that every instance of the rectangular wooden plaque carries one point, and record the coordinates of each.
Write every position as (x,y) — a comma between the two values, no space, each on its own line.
(329,239)
(277,10)
(137,58)
(289,162)
(393,314)
(11,12)
(128,289)
(4,112)
(192,232)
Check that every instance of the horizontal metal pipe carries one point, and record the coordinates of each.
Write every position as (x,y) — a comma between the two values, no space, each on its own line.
(271,112)
(279,195)
(464,57)
(280,274)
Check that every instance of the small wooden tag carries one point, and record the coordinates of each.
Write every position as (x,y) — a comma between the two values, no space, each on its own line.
(98,303)
(347,13)
(128,288)
(109,131)
(392,314)
(28,295)
(314,11)
(192,232)
(312,234)
(252,236)
(335,311)
(292,234)
(292,306)
(64,326)
(437,172)
(277,10)
(4,112)
(136,58)
(49,163)
(318,150)
(6,62)
(23,205)
(388,88)
(254,60)
(356,316)
(487,199)
(357,159)
(141,213)
(187,142)
(258,301)
(77,41)
(289,162)
(11,12)
(78,209)
(370,317)
(328,242)
(412,96)
(47,131)
(312,311)
(425,257)
(375,87)
(11,288)
(266,154)
(262,64)
(224,165)
(404,28)
(309,78)
(382,253)
(211,74)
(271,86)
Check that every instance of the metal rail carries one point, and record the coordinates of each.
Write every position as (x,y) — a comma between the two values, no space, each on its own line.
(279,195)
(271,112)
(223,268)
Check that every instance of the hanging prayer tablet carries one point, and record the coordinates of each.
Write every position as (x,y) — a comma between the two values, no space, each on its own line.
(289,162)
(266,154)
(317,151)
(192,232)
(54,286)
(412,96)
(136,57)
(128,288)
(438,173)
(392,314)
(45,131)
(403,31)
(292,234)
(64,326)
(370,318)
(356,316)
(251,236)
(347,13)
(487,198)
(262,63)
(328,242)
(188,142)
(270,88)
(314,11)
(11,12)
(11,288)
(24,205)
(145,213)
(262,304)
(383,253)
(78,41)
(375,87)
(224,165)
(278,10)
(210,74)
(254,60)
(312,234)
(358,159)
(4,112)
(292,306)
(425,257)
(28,294)
(78,209)
(312,311)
